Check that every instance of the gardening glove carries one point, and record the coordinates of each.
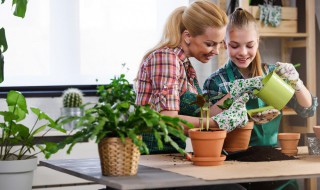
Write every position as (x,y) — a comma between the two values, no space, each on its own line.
(234,117)
(241,86)
(265,116)
(289,73)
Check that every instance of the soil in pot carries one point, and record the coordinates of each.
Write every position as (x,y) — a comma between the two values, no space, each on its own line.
(259,154)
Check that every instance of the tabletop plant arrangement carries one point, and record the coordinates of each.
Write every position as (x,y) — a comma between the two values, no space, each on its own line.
(18,148)
(116,125)
(72,99)
(206,142)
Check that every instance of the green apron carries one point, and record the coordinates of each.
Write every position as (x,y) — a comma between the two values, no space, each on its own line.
(185,109)
(265,135)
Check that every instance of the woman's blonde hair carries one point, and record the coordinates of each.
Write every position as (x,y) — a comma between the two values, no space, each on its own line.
(195,18)
(241,18)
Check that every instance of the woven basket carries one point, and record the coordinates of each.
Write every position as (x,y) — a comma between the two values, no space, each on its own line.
(117,158)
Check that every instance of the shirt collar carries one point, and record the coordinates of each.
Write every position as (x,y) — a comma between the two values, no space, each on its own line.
(190,71)
(181,54)
(235,70)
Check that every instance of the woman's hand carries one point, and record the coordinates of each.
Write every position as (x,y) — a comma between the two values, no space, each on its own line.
(289,73)
(234,117)
(241,86)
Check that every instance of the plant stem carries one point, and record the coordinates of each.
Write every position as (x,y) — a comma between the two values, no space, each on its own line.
(207,119)
(201,118)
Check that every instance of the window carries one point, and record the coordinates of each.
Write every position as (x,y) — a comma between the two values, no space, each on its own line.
(80,42)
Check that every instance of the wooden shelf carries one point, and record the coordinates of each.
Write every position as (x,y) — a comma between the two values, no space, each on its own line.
(284,35)
(288,111)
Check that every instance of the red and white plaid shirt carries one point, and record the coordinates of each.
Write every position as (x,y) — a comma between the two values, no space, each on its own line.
(162,79)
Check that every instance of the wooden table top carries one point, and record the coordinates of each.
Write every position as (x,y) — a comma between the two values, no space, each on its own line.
(157,171)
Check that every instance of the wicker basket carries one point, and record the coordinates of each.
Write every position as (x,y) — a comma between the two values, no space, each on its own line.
(117,158)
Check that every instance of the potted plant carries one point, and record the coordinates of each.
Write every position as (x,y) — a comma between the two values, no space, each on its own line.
(239,138)
(206,142)
(116,125)
(18,148)
(72,99)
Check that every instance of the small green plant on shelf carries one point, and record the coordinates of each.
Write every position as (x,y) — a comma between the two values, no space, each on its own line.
(72,97)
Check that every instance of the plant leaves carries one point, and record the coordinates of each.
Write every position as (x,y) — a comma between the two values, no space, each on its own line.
(20,7)
(16,99)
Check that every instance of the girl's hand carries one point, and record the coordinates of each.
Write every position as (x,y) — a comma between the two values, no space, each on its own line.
(234,117)
(289,73)
(265,116)
(241,86)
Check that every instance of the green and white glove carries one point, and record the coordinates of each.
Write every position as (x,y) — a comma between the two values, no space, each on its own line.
(234,117)
(289,73)
(241,86)
(265,116)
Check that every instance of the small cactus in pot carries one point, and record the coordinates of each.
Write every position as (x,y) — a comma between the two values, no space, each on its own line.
(72,99)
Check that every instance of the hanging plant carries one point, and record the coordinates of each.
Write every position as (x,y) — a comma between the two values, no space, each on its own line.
(20,8)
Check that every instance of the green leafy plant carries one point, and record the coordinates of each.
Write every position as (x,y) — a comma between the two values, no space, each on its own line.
(13,132)
(116,115)
(117,91)
(20,8)
(226,104)
(72,98)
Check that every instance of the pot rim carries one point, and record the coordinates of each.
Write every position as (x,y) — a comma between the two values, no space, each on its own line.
(288,136)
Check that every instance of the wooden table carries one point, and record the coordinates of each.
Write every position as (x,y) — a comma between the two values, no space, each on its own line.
(181,173)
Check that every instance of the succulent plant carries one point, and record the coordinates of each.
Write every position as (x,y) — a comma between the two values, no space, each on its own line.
(72,98)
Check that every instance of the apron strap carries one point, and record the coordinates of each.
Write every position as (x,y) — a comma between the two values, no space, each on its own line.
(230,72)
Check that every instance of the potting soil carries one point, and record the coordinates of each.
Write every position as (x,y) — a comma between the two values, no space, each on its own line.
(259,154)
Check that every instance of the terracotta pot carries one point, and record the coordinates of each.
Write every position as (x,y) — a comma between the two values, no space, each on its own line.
(290,152)
(289,142)
(209,161)
(239,138)
(316,130)
(207,143)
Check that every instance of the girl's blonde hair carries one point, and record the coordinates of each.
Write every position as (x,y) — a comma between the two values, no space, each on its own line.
(241,18)
(195,18)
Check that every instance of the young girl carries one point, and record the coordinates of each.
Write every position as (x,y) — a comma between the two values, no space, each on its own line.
(242,41)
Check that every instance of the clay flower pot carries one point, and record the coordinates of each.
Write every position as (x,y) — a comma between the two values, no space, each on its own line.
(239,138)
(207,143)
(209,161)
(289,143)
(316,130)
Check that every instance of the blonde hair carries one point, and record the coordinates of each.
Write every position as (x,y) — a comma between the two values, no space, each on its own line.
(241,18)
(195,18)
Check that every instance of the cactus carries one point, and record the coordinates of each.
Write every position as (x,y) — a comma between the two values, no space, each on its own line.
(72,98)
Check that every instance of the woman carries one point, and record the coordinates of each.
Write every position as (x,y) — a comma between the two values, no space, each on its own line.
(166,79)
(242,41)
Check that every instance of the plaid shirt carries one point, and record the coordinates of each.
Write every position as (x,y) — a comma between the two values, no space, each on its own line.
(163,77)
(216,86)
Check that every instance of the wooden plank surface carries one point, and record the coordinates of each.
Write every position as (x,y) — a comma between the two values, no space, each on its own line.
(163,171)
